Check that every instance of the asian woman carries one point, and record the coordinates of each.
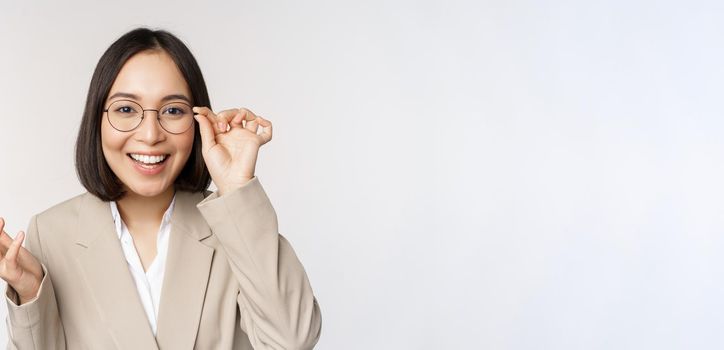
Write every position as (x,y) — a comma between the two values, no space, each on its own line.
(148,258)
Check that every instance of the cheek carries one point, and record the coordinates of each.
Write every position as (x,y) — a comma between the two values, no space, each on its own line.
(110,140)
(183,145)
(186,143)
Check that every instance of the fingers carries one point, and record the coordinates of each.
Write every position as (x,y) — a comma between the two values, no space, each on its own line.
(212,117)
(5,242)
(211,124)
(208,137)
(253,122)
(5,239)
(224,119)
(266,131)
(236,122)
(11,258)
(244,114)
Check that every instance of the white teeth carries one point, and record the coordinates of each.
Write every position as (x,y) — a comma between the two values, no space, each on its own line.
(148,159)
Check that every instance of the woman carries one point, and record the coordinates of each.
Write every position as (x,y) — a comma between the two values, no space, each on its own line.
(148,258)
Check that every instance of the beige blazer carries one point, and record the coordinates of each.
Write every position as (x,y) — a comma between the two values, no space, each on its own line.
(231,281)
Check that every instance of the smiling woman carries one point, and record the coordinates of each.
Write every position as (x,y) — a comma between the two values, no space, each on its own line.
(148,258)
(148,70)
(126,135)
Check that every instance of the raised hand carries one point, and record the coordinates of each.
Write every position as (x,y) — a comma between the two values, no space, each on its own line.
(18,267)
(230,144)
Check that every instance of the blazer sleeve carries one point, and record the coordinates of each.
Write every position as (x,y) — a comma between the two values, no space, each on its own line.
(36,324)
(278,308)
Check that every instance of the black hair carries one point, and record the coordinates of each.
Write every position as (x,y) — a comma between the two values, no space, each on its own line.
(93,171)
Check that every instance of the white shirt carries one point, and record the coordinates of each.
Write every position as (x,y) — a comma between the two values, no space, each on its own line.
(148,283)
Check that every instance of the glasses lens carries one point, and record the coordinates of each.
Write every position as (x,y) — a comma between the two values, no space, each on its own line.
(176,117)
(124,115)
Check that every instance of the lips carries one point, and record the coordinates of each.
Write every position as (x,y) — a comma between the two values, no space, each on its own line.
(148,159)
(149,169)
(149,165)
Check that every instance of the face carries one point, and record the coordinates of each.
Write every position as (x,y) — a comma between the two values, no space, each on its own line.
(147,78)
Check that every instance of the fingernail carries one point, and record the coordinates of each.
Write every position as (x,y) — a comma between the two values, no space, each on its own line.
(221,126)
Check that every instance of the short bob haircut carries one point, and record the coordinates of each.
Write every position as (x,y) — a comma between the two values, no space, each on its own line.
(90,163)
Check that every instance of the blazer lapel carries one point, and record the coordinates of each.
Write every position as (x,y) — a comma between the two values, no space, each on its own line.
(186,277)
(108,278)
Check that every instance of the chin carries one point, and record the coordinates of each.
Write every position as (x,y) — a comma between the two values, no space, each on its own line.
(148,190)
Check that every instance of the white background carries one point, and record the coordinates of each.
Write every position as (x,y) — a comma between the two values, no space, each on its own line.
(481,175)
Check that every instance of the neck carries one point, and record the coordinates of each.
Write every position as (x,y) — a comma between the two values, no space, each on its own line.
(138,210)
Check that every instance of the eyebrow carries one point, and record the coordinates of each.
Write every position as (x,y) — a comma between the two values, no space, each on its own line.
(164,99)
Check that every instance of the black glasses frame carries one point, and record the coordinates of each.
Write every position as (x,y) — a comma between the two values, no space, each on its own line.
(143,115)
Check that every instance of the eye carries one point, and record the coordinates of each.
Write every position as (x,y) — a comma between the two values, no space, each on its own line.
(125,109)
(174,110)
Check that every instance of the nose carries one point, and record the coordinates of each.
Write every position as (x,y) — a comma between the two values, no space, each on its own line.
(150,130)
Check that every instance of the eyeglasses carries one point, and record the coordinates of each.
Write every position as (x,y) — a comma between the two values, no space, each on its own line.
(174,117)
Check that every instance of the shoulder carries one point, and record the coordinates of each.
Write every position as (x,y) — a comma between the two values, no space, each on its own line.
(53,225)
(66,208)
(63,218)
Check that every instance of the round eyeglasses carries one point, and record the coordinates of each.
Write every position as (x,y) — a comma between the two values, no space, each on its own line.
(126,115)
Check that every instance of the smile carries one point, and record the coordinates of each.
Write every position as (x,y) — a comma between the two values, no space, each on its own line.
(148,160)
(149,165)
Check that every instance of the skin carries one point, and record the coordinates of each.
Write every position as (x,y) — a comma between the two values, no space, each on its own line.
(230,146)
